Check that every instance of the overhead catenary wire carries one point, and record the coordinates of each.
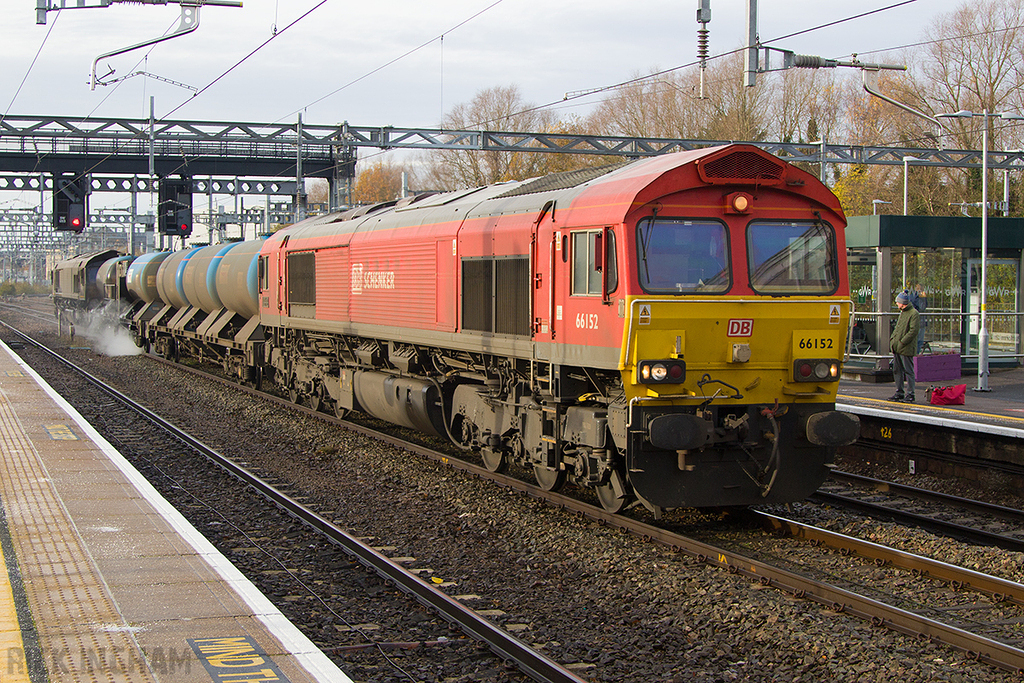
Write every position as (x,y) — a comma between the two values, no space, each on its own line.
(560,103)
(30,67)
(211,84)
(246,57)
(194,95)
(654,75)
(396,59)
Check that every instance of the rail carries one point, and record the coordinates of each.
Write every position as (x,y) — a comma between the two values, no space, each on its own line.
(531,662)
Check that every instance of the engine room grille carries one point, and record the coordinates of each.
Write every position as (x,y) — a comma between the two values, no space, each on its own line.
(496,295)
(512,301)
(742,166)
(477,294)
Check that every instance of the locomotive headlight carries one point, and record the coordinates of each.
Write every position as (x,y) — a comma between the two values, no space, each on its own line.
(672,371)
(821,370)
(738,202)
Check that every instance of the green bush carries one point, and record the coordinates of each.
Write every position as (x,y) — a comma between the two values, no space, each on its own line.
(8,288)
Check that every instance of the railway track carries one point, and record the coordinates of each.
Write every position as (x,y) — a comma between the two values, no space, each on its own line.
(152,435)
(834,598)
(954,516)
(997,649)
(829,595)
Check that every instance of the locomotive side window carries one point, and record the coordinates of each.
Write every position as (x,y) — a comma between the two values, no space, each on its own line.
(679,256)
(593,252)
(792,257)
(301,273)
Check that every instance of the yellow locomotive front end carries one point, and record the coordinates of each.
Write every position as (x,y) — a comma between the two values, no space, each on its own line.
(732,401)
(733,338)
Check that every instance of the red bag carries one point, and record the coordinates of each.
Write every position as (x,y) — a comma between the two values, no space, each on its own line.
(947,396)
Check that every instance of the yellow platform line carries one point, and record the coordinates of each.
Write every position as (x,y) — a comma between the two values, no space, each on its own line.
(12,647)
(929,406)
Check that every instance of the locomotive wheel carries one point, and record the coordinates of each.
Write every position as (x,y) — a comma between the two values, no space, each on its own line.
(608,497)
(171,351)
(549,479)
(339,412)
(316,400)
(293,393)
(254,378)
(494,461)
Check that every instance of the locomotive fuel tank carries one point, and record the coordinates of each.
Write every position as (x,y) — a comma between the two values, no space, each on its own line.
(404,401)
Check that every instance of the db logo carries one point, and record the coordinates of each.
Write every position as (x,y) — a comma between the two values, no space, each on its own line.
(740,328)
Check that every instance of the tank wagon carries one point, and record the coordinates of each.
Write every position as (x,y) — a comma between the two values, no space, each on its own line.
(669,330)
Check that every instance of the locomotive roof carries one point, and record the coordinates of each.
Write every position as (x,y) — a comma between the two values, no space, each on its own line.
(83,260)
(615,188)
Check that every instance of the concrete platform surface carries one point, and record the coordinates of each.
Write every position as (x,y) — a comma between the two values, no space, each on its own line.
(102,580)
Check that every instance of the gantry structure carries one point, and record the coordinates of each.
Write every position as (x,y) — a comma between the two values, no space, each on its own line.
(233,158)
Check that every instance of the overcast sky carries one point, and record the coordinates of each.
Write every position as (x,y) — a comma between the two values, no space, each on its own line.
(354,49)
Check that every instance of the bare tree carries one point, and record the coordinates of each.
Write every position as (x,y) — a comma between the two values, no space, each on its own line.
(974,62)
(495,109)
(669,105)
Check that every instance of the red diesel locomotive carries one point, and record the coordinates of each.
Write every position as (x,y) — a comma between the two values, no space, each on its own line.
(668,330)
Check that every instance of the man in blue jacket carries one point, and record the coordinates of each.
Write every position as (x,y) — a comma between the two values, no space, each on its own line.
(903,344)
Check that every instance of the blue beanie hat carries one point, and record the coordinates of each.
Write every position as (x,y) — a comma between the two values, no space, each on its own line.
(902,298)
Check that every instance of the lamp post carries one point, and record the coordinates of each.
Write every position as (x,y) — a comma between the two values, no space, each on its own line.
(906,168)
(983,289)
(906,175)
(874,205)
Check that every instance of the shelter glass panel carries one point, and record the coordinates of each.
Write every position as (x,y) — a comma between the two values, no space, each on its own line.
(934,279)
(1000,305)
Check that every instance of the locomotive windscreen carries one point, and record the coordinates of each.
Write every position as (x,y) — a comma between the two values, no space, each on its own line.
(683,256)
(792,258)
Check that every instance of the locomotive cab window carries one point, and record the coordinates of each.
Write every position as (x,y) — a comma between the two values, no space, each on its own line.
(792,257)
(593,263)
(678,256)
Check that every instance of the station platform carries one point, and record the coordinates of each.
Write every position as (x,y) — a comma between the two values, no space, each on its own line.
(102,580)
(999,411)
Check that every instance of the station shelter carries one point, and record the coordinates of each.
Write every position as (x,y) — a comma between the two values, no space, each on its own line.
(937,260)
